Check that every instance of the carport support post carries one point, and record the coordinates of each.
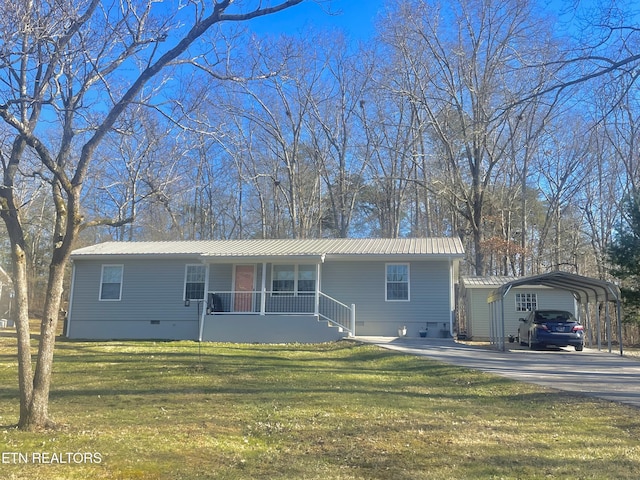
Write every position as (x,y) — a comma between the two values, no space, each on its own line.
(619,317)
(504,347)
(589,325)
(504,294)
(598,327)
(493,324)
(606,313)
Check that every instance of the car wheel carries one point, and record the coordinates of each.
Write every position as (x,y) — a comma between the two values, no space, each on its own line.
(579,348)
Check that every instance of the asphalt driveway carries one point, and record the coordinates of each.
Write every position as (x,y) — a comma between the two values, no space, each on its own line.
(590,372)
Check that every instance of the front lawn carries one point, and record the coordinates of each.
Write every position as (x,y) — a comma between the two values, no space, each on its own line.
(179,410)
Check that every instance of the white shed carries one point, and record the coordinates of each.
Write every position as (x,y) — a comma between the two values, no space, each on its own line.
(475,311)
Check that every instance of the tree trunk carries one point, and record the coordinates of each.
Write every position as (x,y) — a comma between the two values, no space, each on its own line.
(9,213)
(21,314)
(476,209)
(70,165)
(38,413)
(21,317)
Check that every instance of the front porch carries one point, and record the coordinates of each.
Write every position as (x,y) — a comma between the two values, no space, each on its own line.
(275,316)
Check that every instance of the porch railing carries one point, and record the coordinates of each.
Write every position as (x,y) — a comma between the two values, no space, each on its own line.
(337,313)
(269,302)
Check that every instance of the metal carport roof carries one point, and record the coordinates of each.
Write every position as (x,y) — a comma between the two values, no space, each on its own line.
(585,290)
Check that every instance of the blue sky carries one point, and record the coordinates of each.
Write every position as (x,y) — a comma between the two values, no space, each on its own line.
(355,17)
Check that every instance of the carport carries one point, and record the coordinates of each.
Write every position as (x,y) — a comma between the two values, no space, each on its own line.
(587,292)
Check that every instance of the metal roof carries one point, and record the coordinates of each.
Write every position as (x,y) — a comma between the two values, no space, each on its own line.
(338,247)
(585,288)
(492,281)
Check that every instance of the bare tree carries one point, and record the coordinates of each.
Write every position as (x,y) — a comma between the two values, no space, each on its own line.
(604,41)
(276,108)
(389,124)
(613,146)
(62,66)
(336,132)
(561,168)
(137,164)
(463,78)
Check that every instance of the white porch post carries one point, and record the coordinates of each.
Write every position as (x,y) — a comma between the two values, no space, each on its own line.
(316,307)
(263,289)
(203,315)
(353,320)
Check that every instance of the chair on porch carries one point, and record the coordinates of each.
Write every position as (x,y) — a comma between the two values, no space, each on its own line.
(214,303)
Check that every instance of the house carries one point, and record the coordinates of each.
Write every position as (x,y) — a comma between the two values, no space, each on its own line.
(6,293)
(475,312)
(308,290)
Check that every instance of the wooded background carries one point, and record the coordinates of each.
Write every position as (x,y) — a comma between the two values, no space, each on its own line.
(499,122)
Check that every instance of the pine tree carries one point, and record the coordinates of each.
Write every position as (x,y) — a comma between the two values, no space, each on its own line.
(624,255)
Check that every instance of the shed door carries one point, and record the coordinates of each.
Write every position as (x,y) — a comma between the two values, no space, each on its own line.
(244,285)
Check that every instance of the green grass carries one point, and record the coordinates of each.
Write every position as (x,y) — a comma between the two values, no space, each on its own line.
(162,410)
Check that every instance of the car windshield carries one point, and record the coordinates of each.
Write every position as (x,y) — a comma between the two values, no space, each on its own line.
(553,316)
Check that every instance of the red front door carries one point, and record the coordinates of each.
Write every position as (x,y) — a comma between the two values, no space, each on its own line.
(244,287)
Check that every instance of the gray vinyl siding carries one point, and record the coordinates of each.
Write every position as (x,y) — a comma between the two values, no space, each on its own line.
(363,284)
(152,301)
(151,305)
(220,277)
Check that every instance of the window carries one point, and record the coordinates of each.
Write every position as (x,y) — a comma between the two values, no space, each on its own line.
(194,282)
(526,302)
(294,279)
(397,282)
(284,278)
(306,279)
(111,282)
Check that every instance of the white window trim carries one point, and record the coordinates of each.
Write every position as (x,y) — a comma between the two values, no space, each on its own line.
(532,294)
(295,291)
(100,299)
(184,285)
(408,265)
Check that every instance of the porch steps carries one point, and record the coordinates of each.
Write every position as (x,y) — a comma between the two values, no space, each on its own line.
(336,313)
